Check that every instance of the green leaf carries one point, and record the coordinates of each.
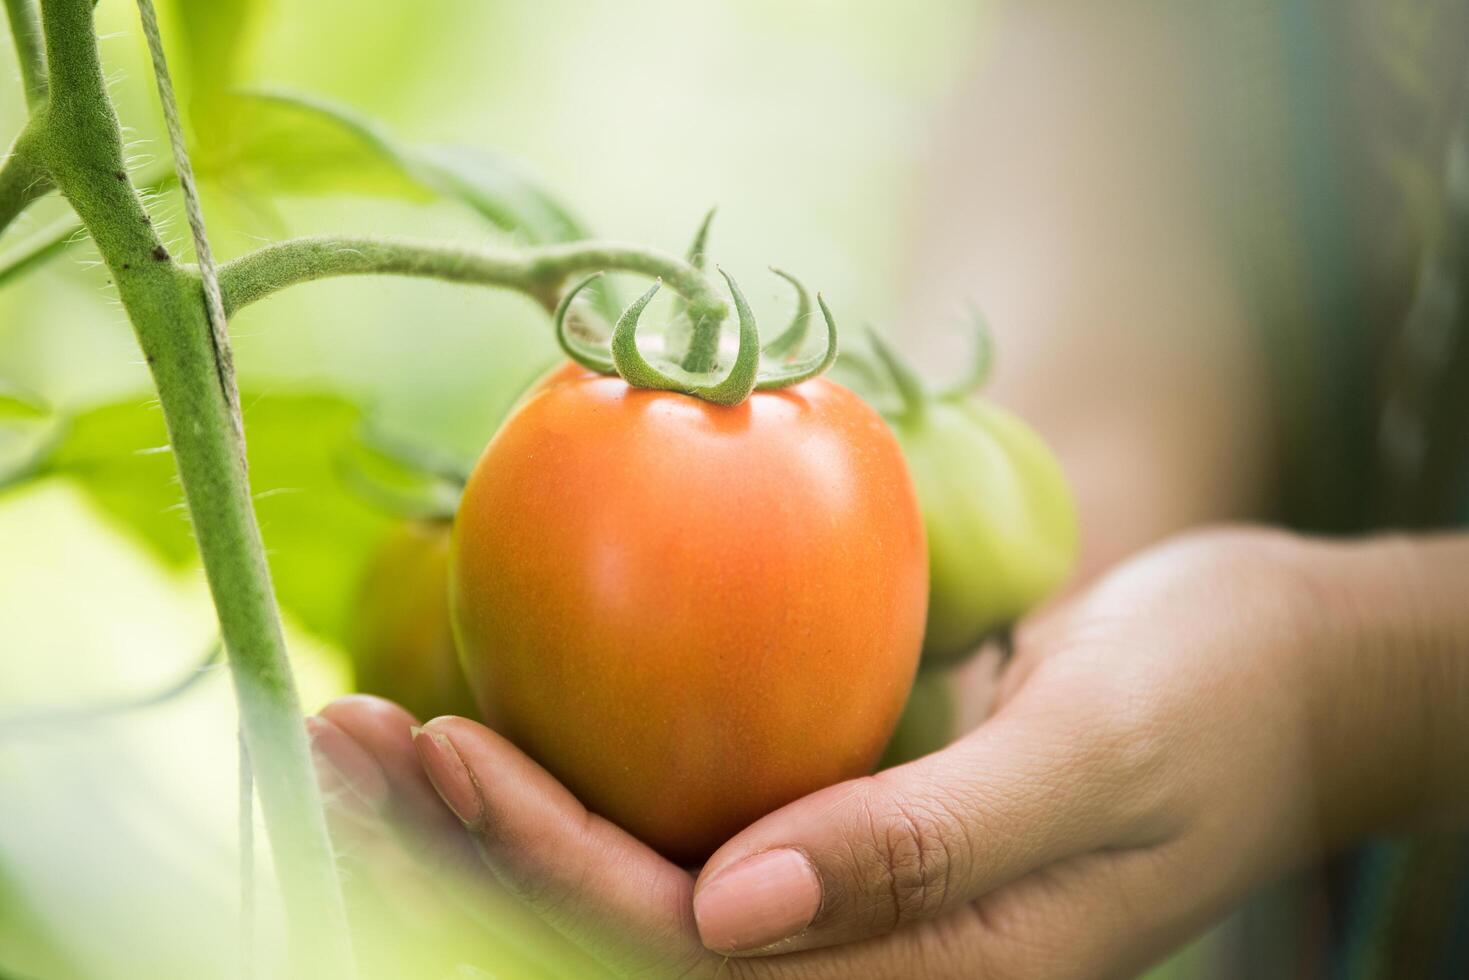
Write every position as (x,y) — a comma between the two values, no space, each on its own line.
(289,142)
(212,39)
(499,190)
(318,532)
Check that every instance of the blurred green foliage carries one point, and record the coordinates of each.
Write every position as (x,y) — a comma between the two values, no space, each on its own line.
(317,531)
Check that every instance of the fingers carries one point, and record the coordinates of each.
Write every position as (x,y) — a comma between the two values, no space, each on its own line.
(863,857)
(1108,914)
(411,852)
(1093,917)
(382,732)
(596,884)
(351,779)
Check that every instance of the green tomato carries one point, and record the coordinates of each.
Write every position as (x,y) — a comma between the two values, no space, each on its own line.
(929,722)
(1001,522)
(402,640)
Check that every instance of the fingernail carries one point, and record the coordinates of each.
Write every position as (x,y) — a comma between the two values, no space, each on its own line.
(345,771)
(447,771)
(759,901)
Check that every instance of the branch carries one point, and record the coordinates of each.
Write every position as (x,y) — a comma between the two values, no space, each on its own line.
(82,150)
(49,242)
(23,180)
(25,28)
(538,272)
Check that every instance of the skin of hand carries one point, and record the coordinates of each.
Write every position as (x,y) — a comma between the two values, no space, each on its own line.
(1213,713)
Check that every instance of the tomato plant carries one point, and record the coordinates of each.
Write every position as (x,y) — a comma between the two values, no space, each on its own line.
(694,585)
(72,144)
(663,598)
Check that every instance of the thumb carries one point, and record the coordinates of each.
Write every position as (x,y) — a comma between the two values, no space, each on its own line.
(860,858)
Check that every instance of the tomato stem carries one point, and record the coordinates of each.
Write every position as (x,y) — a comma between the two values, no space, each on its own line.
(23,180)
(677,332)
(77,140)
(539,271)
(25,28)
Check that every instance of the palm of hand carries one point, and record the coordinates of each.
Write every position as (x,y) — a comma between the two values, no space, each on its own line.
(1141,771)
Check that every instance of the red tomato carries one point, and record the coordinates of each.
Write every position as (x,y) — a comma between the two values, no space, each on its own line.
(691,614)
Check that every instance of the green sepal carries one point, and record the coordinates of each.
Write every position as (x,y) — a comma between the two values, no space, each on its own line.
(740,381)
(818,364)
(587,357)
(698,247)
(790,338)
(909,386)
(982,361)
(638,372)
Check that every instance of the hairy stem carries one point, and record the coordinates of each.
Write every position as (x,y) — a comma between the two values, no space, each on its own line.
(50,241)
(81,148)
(25,29)
(538,272)
(23,180)
(703,342)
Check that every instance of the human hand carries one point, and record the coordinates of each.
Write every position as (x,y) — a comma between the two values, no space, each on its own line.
(1204,718)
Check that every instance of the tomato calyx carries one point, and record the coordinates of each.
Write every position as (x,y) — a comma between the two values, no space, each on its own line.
(999,517)
(913,394)
(981,362)
(694,374)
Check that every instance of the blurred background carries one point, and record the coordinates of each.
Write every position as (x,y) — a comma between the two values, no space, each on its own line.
(1102,178)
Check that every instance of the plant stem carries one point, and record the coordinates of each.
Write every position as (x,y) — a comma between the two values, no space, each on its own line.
(539,272)
(703,342)
(50,241)
(25,28)
(82,149)
(23,180)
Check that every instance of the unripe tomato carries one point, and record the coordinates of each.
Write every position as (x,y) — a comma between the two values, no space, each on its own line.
(402,642)
(691,614)
(928,721)
(1000,519)
(1001,523)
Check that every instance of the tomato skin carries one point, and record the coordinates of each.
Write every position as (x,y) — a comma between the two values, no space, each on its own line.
(691,614)
(1001,523)
(402,641)
(562,371)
